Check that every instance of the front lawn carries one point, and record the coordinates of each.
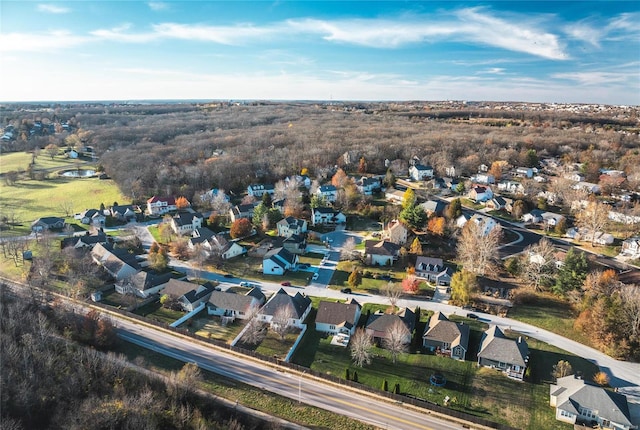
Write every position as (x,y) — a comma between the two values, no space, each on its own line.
(251,268)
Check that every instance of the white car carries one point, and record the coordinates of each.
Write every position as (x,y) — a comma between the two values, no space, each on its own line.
(245,284)
(315,276)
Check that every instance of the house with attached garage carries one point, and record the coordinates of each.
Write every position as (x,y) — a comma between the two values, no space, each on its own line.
(327,216)
(631,247)
(338,318)
(277,261)
(258,190)
(580,402)
(87,240)
(296,307)
(433,270)
(230,305)
(484,223)
(143,284)
(480,193)
(510,356)
(117,262)
(419,172)
(446,337)
(123,213)
(161,205)
(186,221)
(93,217)
(368,186)
(381,253)
(47,223)
(379,324)
(187,294)
(242,211)
(434,207)
(289,226)
(396,232)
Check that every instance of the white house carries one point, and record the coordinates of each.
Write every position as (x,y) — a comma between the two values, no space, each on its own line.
(511,187)
(368,186)
(93,217)
(186,221)
(278,261)
(433,270)
(338,318)
(327,216)
(580,402)
(419,172)
(480,193)
(484,178)
(631,247)
(297,307)
(289,226)
(485,224)
(394,196)
(233,305)
(258,190)
(396,232)
(328,192)
(381,253)
(525,172)
(161,205)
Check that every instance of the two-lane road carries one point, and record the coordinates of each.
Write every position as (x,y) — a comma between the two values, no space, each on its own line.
(293,385)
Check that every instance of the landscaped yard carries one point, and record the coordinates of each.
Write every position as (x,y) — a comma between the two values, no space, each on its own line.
(480,391)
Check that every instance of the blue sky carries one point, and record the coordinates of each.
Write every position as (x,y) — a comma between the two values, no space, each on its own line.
(548,51)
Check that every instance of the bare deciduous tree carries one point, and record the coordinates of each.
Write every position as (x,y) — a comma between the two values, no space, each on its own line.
(361,345)
(630,297)
(349,249)
(562,369)
(255,330)
(397,339)
(539,264)
(478,252)
(392,291)
(280,322)
(66,207)
(594,219)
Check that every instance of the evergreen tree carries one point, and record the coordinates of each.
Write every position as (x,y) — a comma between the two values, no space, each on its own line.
(573,272)
(355,278)
(385,385)
(266,200)
(454,210)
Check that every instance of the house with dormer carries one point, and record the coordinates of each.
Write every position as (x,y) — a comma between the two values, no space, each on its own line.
(258,190)
(433,270)
(186,221)
(297,307)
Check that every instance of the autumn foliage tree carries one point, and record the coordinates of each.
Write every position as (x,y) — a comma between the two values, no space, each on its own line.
(182,202)
(240,228)
(339,179)
(362,166)
(437,225)
(410,284)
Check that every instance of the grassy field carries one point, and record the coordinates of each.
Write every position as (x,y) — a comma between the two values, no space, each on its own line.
(28,200)
(18,161)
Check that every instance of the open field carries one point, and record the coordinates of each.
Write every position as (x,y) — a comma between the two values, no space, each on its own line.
(19,161)
(28,200)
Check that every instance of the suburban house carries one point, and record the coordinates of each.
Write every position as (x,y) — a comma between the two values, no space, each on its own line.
(581,402)
(289,226)
(379,323)
(328,192)
(589,187)
(327,216)
(338,318)
(485,224)
(232,305)
(258,190)
(498,203)
(278,261)
(117,262)
(142,284)
(434,207)
(188,294)
(93,217)
(631,247)
(539,216)
(507,355)
(483,178)
(123,213)
(394,196)
(381,253)
(511,187)
(433,270)
(161,205)
(446,337)
(242,211)
(368,186)
(480,193)
(295,307)
(524,172)
(214,243)
(419,172)
(295,244)
(87,240)
(396,232)
(186,221)
(47,223)
(600,238)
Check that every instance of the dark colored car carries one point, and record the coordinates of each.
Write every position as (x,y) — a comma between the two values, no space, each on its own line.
(346,290)
(385,277)
(285,284)
(472,316)
(228,275)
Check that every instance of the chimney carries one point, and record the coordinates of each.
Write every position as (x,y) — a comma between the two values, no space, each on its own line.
(519,339)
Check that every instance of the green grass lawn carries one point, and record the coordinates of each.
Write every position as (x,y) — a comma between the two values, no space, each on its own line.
(272,345)
(210,327)
(18,161)
(156,312)
(31,199)
(250,268)
(312,258)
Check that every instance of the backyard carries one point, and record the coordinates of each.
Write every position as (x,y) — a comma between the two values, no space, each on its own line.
(210,327)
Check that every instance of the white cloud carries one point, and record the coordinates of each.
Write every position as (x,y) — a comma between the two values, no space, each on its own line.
(226,35)
(597,78)
(52,8)
(119,34)
(492,71)
(42,42)
(158,6)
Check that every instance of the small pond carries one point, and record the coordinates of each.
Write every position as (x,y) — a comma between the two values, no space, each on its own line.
(78,173)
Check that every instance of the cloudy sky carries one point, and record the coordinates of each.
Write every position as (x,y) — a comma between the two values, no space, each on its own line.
(547,51)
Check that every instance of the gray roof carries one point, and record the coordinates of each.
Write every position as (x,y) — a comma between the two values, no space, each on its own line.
(381,322)
(176,288)
(280,254)
(335,313)
(382,247)
(440,329)
(573,393)
(495,346)
(145,280)
(298,303)
(186,217)
(429,264)
(113,259)
(49,220)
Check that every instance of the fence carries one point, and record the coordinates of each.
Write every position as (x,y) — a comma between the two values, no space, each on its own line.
(420,403)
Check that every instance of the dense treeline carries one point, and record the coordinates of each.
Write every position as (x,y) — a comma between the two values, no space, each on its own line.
(186,148)
(55,376)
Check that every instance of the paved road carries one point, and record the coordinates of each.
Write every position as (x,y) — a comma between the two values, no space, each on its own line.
(286,383)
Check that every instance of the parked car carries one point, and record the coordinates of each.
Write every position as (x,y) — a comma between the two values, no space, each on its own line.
(304,265)
(472,316)
(345,290)
(228,275)
(285,284)
(245,284)
(315,276)
(385,277)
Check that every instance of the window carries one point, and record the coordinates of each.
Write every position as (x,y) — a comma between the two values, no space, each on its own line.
(566,414)
(516,368)
(446,345)
(332,327)
(502,365)
(587,413)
